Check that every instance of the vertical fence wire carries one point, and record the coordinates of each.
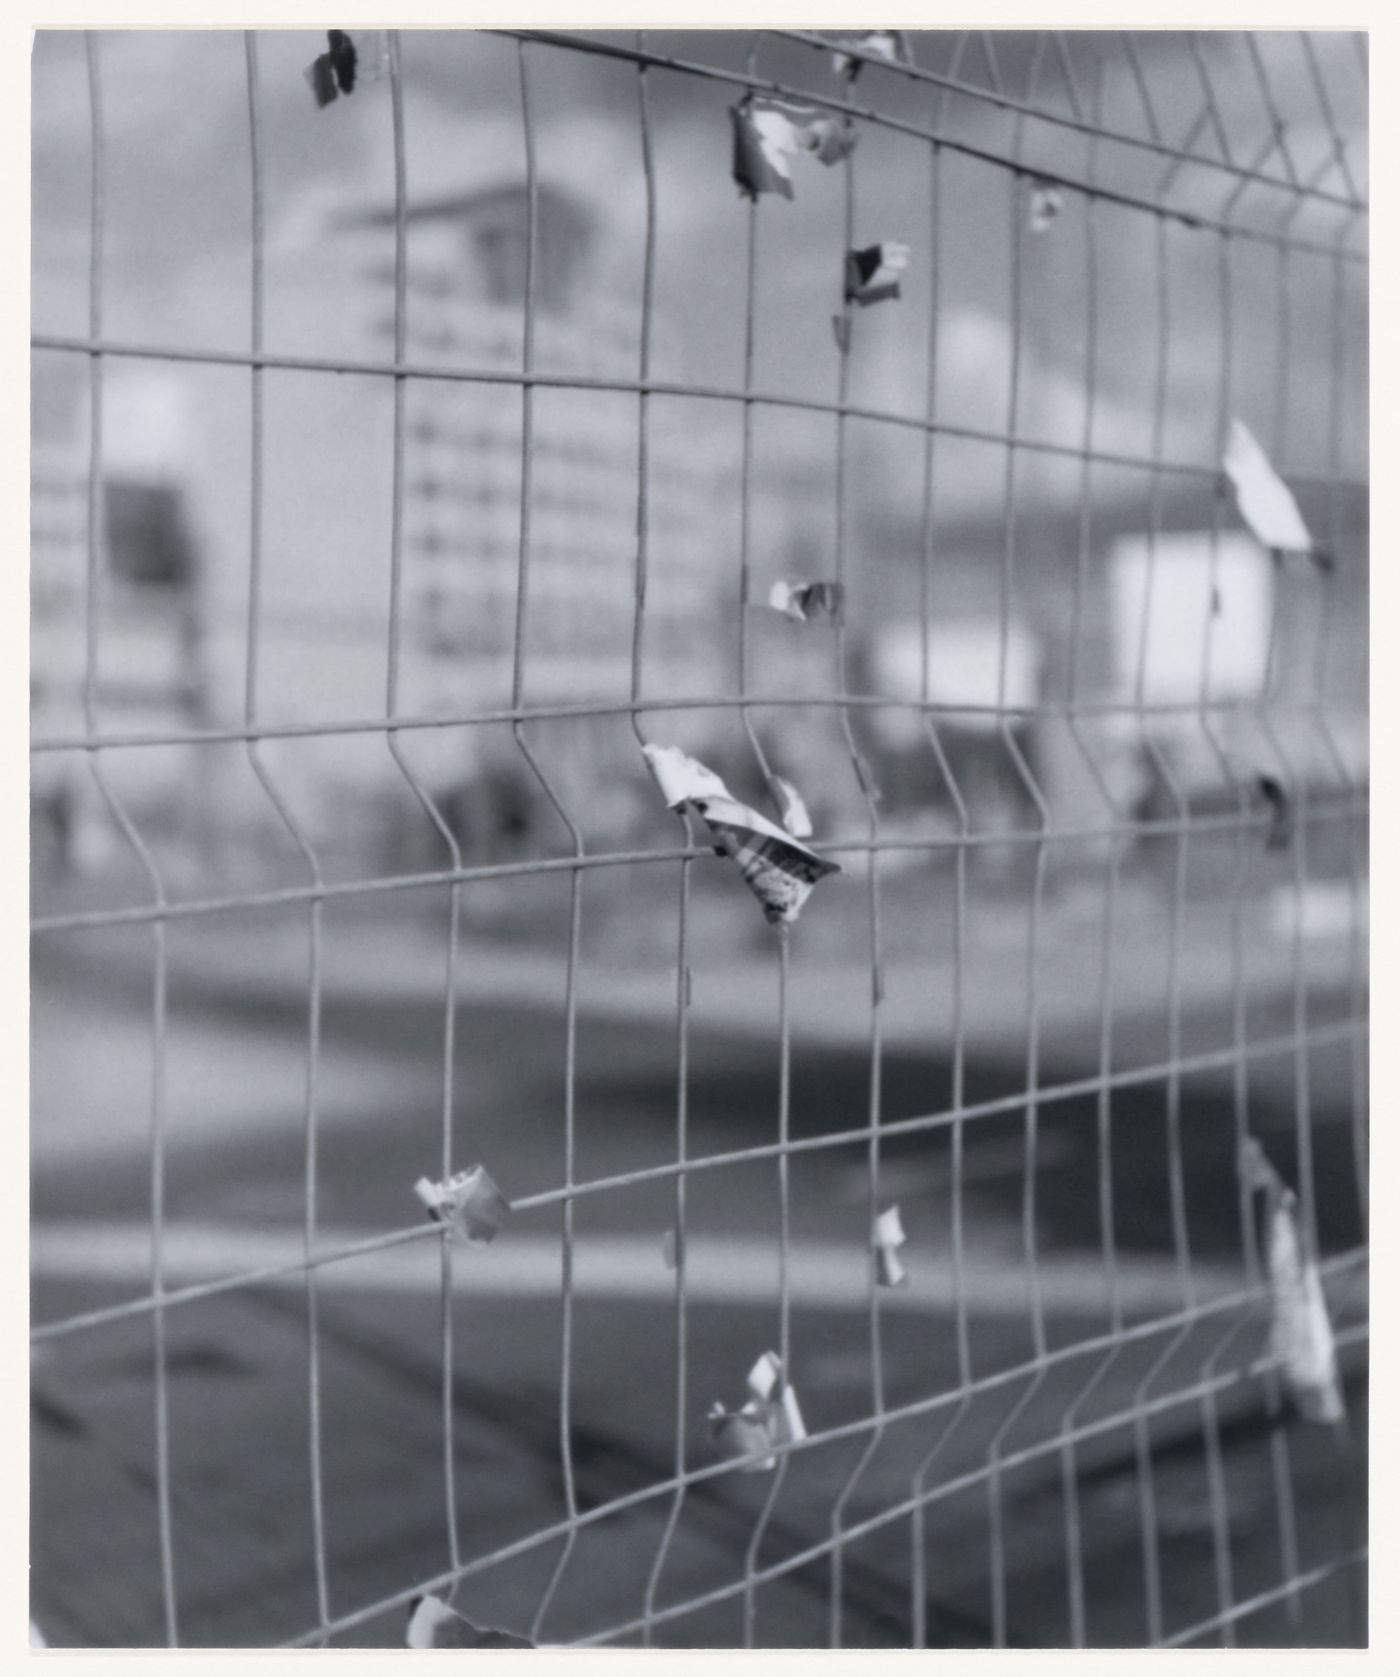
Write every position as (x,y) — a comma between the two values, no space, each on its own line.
(265,778)
(116,808)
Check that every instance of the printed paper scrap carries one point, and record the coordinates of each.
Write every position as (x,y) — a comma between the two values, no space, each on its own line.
(889,1237)
(1300,1332)
(470,1203)
(890,44)
(769,133)
(1265,501)
(872,274)
(804,602)
(352,57)
(750,1433)
(777,867)
(433,1624)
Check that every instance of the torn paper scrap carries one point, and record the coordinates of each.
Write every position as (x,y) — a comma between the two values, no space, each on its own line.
(352,57)
(779,869)
(872,274)
(890,44)
(889,1237)
(750,1434)
(782,1417)
(804,602)
(681,777)
(470,1203)
(769,133)
(1265,501)
(1275,794)
(1047,200)
(794,811)
(1300,1332)
(742,1435)
(433,1624)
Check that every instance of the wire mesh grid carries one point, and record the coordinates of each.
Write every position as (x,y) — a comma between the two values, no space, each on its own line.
(1241,184)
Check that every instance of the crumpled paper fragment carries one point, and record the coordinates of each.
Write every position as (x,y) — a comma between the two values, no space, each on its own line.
(779,869)
(769,133)
(352,57)
(804,602)
(890,44)
(433,1624)
(1300,1331)
(1047,200)
(470,1203)
(795,817)
(872,274)
(1265,501)
(749,1434)
(1275,794)
(889,1237)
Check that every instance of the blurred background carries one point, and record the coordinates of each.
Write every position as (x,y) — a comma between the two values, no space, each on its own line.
(1075,664)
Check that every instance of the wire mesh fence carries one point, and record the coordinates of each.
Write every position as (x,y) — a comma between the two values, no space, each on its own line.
(1090,756)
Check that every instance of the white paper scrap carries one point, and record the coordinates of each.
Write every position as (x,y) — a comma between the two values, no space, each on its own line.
(806,601)
(765,1421)
(743,1436)
(872,274)
(764,1375)
(890,44)
(470,1203)
(433,1624)
(1265,501)
(681,777)
(1300,1331)
(769,133)
(889,1237)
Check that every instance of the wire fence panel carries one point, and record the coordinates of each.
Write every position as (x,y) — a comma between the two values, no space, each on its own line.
(467,477)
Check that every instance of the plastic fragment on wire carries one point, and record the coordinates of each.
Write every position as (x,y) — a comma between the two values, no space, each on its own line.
(669,1249)
(779,869)
(1265,501)
(890,44)
(352,58)
(804,602)
(872,274)
(889,1237)
(750,1434)
(433,1624)
(769,133)
(470,1204)
(794,811)
(1300,1331)
(1047,200)
(1275,795)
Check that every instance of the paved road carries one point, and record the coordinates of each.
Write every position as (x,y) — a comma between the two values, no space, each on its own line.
(236,1096)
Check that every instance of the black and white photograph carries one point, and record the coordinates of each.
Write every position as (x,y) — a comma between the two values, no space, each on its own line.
(699,802)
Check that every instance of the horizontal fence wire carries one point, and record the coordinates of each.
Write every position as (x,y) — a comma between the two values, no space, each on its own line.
(1272,814)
